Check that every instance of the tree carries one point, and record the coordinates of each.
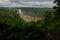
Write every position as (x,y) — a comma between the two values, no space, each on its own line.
(57,7)
(57,16)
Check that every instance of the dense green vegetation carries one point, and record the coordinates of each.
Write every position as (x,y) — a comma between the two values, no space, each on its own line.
(10,17)
(12,27)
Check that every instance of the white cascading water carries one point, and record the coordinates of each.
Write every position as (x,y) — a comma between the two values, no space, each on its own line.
(20,12)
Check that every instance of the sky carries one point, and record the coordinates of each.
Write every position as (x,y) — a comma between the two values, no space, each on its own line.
(26,3)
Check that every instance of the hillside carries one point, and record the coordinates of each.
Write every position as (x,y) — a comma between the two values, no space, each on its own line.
(36,12)
(29,13)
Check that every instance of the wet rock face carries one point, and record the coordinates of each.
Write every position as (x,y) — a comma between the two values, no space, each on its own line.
(51,36)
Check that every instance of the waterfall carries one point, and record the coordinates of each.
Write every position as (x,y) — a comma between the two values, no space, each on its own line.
(20,12)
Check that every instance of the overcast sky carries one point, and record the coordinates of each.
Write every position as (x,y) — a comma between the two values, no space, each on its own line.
(26,3)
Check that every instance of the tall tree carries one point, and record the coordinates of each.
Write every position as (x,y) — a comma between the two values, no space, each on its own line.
(57,7)
(56,19)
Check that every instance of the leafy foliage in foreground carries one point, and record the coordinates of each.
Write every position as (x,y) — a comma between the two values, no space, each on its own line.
(12,27)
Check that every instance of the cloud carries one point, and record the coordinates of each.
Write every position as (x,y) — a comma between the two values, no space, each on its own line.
(26,3)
